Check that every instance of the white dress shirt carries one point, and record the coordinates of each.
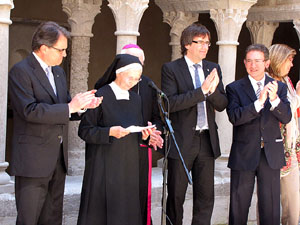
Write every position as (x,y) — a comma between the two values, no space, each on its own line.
(202,79)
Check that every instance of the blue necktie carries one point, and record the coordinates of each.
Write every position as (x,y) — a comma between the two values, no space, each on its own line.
(200,105)
(51,78)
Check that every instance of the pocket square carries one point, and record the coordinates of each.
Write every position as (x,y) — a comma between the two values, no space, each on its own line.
(278,140)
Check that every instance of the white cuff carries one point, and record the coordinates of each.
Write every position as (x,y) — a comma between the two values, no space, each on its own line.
(258,106)
(275,103)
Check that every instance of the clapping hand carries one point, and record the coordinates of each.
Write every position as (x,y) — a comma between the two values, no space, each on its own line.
(211,82)
(84,100)
(263,95)
(147,132)
(155,138)
(215,82)
(95,102)
(272,90)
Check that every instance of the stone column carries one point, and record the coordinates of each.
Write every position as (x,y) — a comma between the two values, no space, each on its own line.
(127,14)
(228,24)
(6,185)
(262,32)
(178,21)
(81,16)
(297,27)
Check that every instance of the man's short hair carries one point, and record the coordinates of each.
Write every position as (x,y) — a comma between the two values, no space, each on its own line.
(258,47)
(47,33)
(188,34)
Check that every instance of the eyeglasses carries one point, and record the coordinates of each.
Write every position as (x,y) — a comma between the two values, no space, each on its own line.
(134,79)
(58,49)
(203,43)
(249,61)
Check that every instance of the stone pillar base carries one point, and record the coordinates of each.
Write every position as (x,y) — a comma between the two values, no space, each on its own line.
(6,185)
(7,188)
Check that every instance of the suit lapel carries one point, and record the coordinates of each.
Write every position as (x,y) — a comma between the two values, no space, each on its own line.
(248,89)
(60,89)
(206,68)
(42,77)
(186,75)
(268,79)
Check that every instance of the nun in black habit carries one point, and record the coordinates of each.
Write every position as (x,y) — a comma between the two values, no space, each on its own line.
(110,190)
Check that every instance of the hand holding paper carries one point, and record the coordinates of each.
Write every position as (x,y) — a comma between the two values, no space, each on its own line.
(133,129)
(148,131)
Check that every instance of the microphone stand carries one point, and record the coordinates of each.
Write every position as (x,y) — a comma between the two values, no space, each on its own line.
(168,130)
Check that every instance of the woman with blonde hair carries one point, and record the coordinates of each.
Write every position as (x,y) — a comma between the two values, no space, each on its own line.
(281,61)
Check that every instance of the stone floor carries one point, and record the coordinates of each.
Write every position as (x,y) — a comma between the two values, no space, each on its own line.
(73,189)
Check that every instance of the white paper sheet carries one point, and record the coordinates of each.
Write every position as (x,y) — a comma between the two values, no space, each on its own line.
(134,129)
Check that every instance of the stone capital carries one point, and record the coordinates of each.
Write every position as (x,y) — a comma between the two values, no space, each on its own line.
(178,21)
(128,14)
(262,32)
(5,8)
(228,24)
(81,15)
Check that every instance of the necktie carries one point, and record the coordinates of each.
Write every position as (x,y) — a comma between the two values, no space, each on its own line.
(200,105)
(51,78)
(258,90)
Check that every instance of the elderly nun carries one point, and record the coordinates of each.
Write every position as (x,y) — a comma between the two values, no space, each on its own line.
(110,191)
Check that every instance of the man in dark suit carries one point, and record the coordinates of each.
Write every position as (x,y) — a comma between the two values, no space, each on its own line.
(42,108)
(257,105)
(150,114)
(192,112)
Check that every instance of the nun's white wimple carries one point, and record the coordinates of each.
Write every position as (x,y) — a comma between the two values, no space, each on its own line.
(129,66)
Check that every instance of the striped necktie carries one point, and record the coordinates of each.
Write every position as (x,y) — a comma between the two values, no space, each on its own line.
(259,84)
(200,106)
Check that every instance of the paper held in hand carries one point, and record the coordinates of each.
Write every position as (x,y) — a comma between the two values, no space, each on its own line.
(134,129)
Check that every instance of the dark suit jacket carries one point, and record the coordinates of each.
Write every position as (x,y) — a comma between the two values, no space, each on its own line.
(40,118)
(249,126)
(150,108)
(177,84)
(149,102)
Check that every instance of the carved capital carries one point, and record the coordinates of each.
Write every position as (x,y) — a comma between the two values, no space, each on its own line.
(128,14)
(228,23)
(178,21)
(262,32)
(5,7)
(81,15)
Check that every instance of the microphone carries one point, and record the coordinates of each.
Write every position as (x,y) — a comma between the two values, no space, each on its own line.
(159,92)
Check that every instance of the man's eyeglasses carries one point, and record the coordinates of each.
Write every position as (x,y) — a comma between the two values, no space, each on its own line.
(203,43)
(249,61)
(58,49)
